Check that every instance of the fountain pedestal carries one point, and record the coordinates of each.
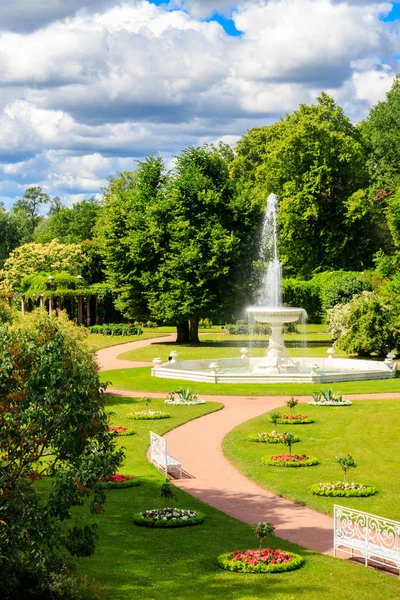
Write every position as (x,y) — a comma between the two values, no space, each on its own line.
(276,359)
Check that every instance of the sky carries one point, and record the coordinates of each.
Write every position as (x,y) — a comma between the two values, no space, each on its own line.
(88,87)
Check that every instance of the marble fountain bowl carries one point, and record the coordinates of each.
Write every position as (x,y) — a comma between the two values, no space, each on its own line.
(300,370)
(276,315)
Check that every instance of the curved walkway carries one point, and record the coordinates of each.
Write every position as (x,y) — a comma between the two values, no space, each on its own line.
(214,480)
(108,360)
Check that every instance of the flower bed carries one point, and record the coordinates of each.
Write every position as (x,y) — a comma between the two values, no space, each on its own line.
(118,481)
(270,438)
(121,430)
(168,517)
(148,415)
(340,489)
(330,402)
(266,560)
(290,460)
(180,402)
(293,419)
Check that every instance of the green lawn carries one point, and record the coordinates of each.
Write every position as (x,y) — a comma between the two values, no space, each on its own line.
(140,379)
(97,342)
(135,562)
(367,430)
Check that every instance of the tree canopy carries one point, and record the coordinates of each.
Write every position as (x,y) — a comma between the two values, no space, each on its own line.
(180,246)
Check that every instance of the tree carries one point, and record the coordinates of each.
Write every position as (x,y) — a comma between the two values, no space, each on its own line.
(53,424)
(30,204)
(69,225)
(346,463)
(40,258)
(11,235)
(180,247)
(314,160)
(381,132)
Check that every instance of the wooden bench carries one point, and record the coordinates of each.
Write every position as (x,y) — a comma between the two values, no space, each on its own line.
(160,458)
(373,538)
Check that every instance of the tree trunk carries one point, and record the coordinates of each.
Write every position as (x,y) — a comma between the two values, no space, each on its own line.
(182,333)
(194,331)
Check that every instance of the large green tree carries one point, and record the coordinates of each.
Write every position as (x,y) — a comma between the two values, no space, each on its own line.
(53,424)
(68,225)
(180,246)
(314,159)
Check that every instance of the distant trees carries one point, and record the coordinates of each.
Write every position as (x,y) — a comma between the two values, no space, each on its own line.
(180,246)
(315,160)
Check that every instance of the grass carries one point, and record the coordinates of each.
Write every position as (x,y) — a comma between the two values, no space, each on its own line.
(365,430)
(141,379)
(180,564)
(98,342)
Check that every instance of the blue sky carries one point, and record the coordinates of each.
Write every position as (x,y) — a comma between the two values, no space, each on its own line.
(90,86)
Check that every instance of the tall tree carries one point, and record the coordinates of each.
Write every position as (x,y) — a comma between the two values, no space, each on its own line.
(69,225)
(180,247)
(314,160)
(30,203)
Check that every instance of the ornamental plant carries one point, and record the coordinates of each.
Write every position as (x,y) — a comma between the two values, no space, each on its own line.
(263,529)
(274,418)
(288,439)
(147,402)
(291,404)
(167,493)
(346,463)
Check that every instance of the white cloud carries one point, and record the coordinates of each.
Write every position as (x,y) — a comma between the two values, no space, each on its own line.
(82,96)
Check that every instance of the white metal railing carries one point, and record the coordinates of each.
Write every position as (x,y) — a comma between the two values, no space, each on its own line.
(374,538)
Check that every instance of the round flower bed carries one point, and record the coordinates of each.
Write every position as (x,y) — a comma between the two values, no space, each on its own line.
(270,438)
(290,460)
(266,560)
(340,489)
(331,403)
(118,481)
(180,402)
(168,517)
(148,415)
(121,430)
(293,419)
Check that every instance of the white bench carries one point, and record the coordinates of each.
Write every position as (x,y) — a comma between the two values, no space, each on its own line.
(373,538)
(159,456)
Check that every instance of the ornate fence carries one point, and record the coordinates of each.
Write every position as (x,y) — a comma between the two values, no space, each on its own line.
(373,538)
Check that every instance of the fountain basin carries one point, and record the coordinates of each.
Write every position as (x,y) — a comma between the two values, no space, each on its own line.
(305,370)
(278,315)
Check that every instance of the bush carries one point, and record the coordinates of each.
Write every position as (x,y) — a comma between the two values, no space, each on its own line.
(303,294)
(5,312)
(339,287)
(369,327)
(116,329)
(342,490)
(168,517)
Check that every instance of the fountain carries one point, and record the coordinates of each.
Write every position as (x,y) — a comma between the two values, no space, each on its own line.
(277,366)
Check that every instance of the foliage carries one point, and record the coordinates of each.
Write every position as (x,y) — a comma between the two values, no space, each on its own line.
(369,326)
(13,233)
(288,439)
(118,481)
(274,417)
(183,396)
(120,430)
(264,561)
(291,419)
(69,225)
(116,329)
(336,318)
(29,205)
(166,491)
(148,415)
(329,398)
(340,287)
(173,243)
(52,423)
(304,294)
(168,517)
(5,312)
(242,327)
(31,259)
(346,463)
(314,160)
(271,438)
(340,490)
(290,460)
(381,132)
(291,404)
(263,529)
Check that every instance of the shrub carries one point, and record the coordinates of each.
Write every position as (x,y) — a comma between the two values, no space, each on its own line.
(369,327)
(168,517)
(339,287)
(5,312)
(183,397)
(303,294)
(343,490)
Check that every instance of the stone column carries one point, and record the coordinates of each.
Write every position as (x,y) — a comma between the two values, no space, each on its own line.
(23,306)
(88,314)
